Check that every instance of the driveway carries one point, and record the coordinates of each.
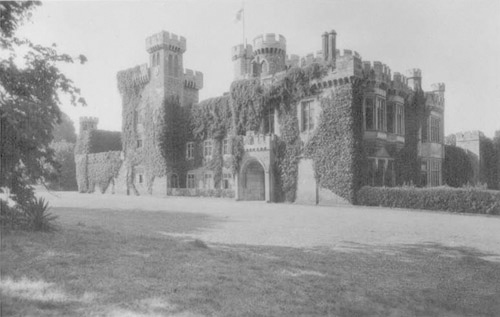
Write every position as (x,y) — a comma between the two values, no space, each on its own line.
(290,225)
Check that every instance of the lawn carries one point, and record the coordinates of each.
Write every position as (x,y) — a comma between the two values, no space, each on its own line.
(110,263)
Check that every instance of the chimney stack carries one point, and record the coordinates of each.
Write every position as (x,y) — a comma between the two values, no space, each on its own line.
(332,47)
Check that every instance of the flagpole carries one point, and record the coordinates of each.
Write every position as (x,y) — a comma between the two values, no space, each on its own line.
(244,38)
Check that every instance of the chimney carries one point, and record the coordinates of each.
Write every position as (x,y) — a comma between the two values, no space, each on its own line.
(325,46)
(332,47)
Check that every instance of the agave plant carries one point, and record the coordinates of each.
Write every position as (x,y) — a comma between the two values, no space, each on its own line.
(36,215)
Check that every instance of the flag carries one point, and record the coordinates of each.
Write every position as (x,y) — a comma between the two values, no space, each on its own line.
(239,15)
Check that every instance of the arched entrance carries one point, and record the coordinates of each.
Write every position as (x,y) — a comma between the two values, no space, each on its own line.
(253,182)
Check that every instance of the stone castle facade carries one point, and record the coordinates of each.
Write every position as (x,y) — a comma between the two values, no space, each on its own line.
(383,105)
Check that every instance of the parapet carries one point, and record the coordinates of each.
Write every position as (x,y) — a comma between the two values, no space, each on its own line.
(93,120)
(193,79)
(469,136)
(414,73)
(165,40)
(438,87)
(270,41)
(138,75)
(241,51)
(347,54)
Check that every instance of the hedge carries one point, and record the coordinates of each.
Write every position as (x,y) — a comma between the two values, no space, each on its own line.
(199,192)
(461,200)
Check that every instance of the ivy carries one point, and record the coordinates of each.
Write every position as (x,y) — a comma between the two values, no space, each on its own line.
(97,169)
(336,147)
(407,163)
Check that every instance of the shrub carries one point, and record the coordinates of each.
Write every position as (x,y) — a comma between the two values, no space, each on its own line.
(10,217)
(462,200)
(36,216)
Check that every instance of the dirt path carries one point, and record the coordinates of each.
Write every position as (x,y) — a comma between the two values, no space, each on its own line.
(258,223)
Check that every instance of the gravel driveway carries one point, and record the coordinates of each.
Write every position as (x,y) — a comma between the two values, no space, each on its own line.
(259,223)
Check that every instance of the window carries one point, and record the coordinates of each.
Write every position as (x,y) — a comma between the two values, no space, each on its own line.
(174,181)
(390,117)
(141,178)
(369,122)
(381,114)
(307,116)
(176,66)
(226,181)
(435,130)
(425,132)
(190,150)
(435,172)
(139,143)
(207,149)
(225,147)
(269,123)
(423,173)
(208,181)
(400,119)
(170,65)
(190,181)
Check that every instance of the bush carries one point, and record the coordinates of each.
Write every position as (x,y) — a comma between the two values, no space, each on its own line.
(462,200)
(36,216)
(10,217)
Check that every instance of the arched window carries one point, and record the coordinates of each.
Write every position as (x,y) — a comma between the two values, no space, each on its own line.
(264,67)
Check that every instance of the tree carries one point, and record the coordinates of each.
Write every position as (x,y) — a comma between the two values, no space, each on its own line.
(65,131)
(29,99)
(457,167)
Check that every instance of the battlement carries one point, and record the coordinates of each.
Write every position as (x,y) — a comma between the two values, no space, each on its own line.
(438,87)
(347,54)
(240,51)
(257,142)
(414,73)
(138,75)
(269,43)
(381,72)
(93,120)
(469,136)
(165,40)
(193,79)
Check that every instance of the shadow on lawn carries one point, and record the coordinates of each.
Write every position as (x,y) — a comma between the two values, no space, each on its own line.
(137,222)
(108,273)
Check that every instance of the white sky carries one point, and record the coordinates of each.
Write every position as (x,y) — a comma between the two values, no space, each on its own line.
(452,41)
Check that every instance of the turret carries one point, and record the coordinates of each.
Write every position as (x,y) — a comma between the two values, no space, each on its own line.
(88,124)
(241,56)
(269,54)
(414,77)
(165,53)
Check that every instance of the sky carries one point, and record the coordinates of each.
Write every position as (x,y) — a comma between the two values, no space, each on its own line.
(452,41)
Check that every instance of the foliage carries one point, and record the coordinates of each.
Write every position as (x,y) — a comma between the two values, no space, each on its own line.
(490,159)
(463,200)
(212,118)
(32,215)
(36,215)
(65,175)
(247,105)
(29,96)
(10,216)
(64,131)
(407,164)
(97,169)
(97,141)
(336,147)
(201,192)
(457,167)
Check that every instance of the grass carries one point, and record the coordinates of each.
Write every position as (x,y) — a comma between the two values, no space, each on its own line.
(92,268)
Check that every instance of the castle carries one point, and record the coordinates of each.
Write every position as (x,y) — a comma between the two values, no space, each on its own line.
(311,129)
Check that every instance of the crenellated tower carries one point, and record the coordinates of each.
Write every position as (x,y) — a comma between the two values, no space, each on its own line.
(269,55)
(88,124)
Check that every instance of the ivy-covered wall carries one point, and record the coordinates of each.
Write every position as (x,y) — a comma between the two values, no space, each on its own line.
(96,141)
(336,147)
(97,169)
